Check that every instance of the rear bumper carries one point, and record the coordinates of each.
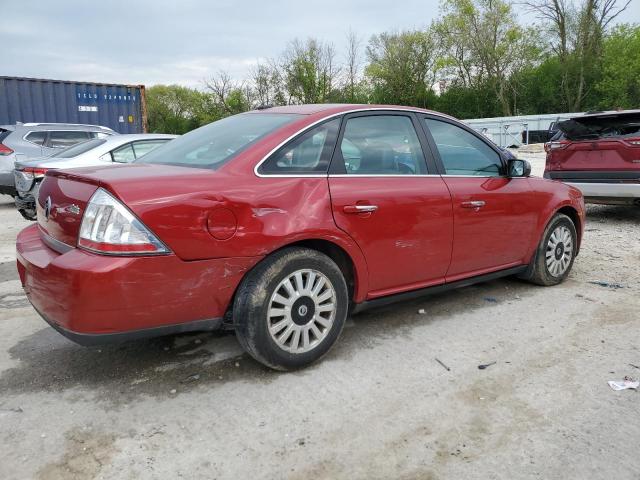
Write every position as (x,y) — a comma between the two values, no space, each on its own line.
(94,299)
(605,186)
(608,190)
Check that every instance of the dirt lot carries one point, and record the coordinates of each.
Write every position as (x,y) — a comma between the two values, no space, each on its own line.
(378,406)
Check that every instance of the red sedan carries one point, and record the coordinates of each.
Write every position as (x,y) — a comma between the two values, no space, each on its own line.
(279,222)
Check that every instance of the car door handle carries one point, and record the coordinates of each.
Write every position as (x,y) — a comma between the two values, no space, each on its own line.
(473,204)
(359,208)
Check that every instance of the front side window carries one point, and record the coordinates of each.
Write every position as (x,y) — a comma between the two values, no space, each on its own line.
(381,145)
(123,154)
(308,153)
(36,137)
(461,152)
(64,139)
(215,144)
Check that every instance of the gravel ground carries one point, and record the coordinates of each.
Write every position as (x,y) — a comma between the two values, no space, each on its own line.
(378,406)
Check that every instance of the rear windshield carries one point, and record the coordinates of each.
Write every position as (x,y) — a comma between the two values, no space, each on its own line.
(215,144)
(593,128)
(4,134)
(78,149)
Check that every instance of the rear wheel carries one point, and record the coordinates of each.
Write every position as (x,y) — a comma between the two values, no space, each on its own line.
(290,309)
(556,252)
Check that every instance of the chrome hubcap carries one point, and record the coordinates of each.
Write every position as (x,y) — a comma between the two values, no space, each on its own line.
(559,251)
(301,311)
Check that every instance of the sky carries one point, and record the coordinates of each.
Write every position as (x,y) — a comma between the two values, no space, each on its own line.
(185,41)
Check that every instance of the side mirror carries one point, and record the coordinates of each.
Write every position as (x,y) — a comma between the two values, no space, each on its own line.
(518,168)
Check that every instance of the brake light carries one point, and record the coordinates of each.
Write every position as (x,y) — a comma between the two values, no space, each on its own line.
(4,150)
(109,227)
(549,146)
(36,172)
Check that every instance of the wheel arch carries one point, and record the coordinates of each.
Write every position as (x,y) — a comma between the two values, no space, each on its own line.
(351,264)
(572,213)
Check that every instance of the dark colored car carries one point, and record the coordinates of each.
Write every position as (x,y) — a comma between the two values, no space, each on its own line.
(279,222)
(599,153)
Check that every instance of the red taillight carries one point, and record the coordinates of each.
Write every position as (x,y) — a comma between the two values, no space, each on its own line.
(550,146)
(109,227)
(36,172)
(117,248)
(4,150)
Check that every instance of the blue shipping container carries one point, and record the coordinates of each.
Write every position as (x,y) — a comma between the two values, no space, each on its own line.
(119,107)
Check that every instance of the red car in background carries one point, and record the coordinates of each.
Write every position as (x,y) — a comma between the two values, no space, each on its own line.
(599,153)
(279,222)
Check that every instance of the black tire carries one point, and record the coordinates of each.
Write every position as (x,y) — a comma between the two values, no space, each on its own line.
(539,272)
(252,303)
(28,214)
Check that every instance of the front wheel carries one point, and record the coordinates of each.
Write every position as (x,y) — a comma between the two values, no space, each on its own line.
(555,254)
(291,308)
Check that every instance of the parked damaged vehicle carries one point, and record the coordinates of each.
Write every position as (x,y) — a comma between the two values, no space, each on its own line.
(99,151)
(599,153)
(278,223)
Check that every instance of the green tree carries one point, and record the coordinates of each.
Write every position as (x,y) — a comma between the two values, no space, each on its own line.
(619,85)
(177,109)
(485,45)
(577,32)
(401,68)
(309,71)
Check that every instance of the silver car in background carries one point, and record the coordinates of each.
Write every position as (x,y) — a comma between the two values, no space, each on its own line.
(99,151)
(26,141)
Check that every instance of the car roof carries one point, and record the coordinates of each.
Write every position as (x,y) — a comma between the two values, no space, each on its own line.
(335,108)
(115,140)
(62,126)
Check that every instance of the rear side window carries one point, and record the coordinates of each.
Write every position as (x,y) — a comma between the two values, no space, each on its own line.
(64,139)
(461,152)
(36,137)
(307,154)
(142,148)
(123,154)
(381,145)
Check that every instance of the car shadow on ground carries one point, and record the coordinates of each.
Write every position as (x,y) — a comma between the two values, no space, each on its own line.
(613,213)
(171,365)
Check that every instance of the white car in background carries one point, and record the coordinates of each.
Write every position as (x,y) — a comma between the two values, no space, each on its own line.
(99,151)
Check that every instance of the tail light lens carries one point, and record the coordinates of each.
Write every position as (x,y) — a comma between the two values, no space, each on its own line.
(109,227)
(550,146)
(4,150)
(35,172)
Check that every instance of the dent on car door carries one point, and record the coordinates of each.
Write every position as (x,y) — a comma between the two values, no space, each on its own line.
(383,197)
(494,215)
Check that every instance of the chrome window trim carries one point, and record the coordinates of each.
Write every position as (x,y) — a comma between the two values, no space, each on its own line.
(375,175)
(323,119)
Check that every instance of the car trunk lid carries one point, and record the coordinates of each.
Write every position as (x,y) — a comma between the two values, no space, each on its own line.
(142,188)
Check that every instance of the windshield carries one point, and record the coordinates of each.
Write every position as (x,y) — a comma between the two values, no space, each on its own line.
(78,149)
(213,145)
